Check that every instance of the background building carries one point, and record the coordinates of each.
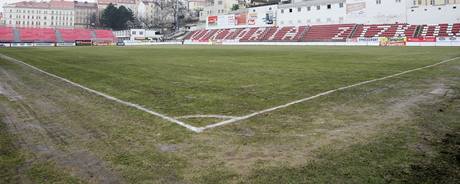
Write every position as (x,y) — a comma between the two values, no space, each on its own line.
(217,7)
(85,14)
(324,12)
(434,2)
(56,13)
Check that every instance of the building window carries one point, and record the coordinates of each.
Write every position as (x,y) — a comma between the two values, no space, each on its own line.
(341,5)
(290,10)
(378,1)
(398,1)
(299,9)
(318,7)
(431,2)
(329,6)
(282,10)
(308,8)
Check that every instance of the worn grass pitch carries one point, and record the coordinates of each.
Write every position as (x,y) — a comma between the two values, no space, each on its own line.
(231,81)
(379,122)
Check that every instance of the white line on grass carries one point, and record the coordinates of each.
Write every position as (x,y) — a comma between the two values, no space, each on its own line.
(318,95)
(206,116)
(139,107)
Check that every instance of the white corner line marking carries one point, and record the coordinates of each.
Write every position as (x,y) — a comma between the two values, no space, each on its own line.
(233,120)
(129,104)
(206,116)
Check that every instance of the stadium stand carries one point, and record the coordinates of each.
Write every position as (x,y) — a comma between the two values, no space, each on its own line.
(440,30)
(6,34)
(385,30)
(336,32)
(326,33)
(50,35)
(270,34)
(248,34)
(104,35)
(37,35)
(300,32)
(71,35)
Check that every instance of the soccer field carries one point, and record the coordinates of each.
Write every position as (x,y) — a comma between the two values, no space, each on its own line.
(340,135)
(228,81)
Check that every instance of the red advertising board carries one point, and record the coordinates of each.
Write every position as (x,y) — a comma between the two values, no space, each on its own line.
(212,20)
(422,39)
(241,19)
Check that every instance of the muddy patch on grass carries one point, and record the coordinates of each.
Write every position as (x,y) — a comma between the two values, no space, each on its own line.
(168,147)
(46,140)
(336,127)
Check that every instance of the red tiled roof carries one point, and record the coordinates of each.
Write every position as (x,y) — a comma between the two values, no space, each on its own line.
(61,4)
(116,1)
(31,4)
(57,4)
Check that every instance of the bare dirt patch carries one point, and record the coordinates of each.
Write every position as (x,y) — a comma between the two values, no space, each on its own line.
(334,126)
(46,141)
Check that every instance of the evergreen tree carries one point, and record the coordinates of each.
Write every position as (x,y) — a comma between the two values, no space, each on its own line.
(116,18)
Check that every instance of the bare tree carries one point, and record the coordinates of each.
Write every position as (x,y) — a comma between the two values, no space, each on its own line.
(169,15)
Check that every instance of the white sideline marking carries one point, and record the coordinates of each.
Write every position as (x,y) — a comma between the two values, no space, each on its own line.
(318,95)
(206,116)
(139,107)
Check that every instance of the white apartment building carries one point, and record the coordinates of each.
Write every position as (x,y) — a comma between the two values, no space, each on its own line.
(323,12)
(217,7)
(146,9)
(56,13)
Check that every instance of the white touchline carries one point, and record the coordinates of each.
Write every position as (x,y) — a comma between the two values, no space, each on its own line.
(139,107)
(233,120)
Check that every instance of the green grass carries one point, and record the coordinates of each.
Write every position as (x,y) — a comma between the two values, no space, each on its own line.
(10,158)
(367,134)
(14,169)
(188,80)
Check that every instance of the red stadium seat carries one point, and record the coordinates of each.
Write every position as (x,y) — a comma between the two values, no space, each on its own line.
(443,30)
(6,34)
(104,35)
(70,35)
(37,35)
(336,32)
